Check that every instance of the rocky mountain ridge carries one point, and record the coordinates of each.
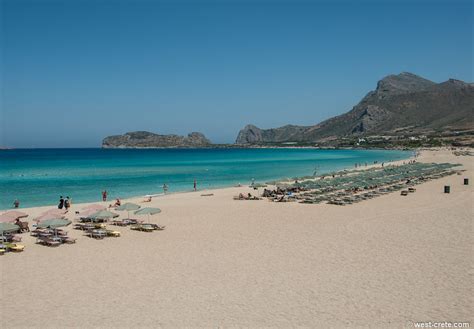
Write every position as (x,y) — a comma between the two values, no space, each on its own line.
(400,104)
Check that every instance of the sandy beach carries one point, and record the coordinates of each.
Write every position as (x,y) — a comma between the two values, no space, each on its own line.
(385,262)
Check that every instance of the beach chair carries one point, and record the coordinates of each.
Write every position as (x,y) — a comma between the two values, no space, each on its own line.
(97,233)
(156,227)
(3,249)
(15,247)
(79,226)
(404,193)
(67,240)
(113,233)
(142,227)
(120,222)
(48,241)
(35,232)
(124,222)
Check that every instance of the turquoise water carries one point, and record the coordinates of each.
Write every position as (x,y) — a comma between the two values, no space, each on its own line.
(39,176)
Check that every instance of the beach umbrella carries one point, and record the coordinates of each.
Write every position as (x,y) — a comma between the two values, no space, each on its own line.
(46,216)
(128,207)
(86,213)
(102,215)
(11,216)
(91,209)
(54,223)
(148,211)
(8,227)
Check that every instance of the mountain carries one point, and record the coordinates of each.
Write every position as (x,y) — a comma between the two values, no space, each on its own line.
(142,139)
(401,104)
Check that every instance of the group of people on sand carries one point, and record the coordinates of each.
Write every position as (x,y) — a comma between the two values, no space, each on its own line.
(104,199)
(249,196)
(64,203)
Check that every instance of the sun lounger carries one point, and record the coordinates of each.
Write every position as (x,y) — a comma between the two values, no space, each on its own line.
(68,240)
(10,238)
(113,233)
(37,231)
(124,222)
(15,247)
(142,227)
(48,241)
(3,248)
(120,222)
(81,226)
(404,193)
(97,233)
(156,226)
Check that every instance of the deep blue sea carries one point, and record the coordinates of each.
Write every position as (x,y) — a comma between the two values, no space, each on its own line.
(39,176)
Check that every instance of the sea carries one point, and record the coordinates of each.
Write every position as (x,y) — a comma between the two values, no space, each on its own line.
(38,177)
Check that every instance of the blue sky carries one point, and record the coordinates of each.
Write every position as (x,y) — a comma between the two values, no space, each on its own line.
(73,72)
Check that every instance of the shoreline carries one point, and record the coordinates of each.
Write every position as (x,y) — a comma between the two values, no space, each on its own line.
(231,147)
(159,195)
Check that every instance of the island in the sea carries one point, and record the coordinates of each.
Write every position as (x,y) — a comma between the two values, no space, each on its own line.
(144,139)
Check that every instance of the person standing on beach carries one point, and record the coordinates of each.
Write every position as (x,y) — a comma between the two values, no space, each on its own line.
(61,202)
(195,185)
(165,188)
(67,203)
(104,195)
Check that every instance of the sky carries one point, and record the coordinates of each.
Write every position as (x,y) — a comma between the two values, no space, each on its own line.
(73,72)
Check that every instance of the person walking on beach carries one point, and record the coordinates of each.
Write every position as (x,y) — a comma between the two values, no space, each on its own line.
(195,185)
(16,203)
(67,203)
(104,195)
(165,188)
(61,202)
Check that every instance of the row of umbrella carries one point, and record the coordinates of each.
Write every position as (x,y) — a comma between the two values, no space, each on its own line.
(128,207)
(55,218)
